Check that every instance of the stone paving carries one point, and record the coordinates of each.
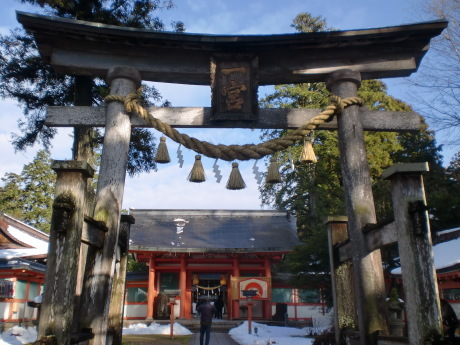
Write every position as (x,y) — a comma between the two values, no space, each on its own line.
(216,339)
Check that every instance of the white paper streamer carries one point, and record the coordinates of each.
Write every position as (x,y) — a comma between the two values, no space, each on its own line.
(217,172)
(180,156)
(257,174)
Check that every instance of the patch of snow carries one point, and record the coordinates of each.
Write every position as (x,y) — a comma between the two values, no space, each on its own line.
(447,231)
(40,247)
(446,254)
(18,335)
(156,328)
(265,334)
(271,335)
(26,238)
(21,252)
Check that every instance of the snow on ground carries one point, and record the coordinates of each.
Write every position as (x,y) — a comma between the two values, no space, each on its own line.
(155,328)
(271,335)
(265,334)
(18,335)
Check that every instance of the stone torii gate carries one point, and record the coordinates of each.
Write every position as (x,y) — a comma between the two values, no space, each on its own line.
(84,287)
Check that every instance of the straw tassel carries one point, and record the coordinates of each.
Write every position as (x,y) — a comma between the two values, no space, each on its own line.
(197,174)
(308,155)
(162,155)
(273,174)
(235,181)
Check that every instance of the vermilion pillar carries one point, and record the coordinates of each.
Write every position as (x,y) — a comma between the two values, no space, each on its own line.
(182,287)
(188,296)
(236,303)
(267,303)
(151,293)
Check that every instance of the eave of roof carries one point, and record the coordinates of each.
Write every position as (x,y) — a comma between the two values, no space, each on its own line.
(213,231)
(271,250)
(85,48)
(20,264)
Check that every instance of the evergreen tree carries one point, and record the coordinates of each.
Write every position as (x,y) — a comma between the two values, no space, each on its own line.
(35,85)
(38,180)
(10,195)
(444,200)
(314,191)
(29,196)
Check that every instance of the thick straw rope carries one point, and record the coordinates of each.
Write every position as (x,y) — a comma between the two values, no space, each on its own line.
(237,152)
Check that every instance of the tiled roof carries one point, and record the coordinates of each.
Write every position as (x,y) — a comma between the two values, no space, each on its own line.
(24,241)
(212,230)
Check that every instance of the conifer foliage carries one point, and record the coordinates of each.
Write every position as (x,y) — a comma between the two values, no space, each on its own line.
(29,196)
(314,191)
(34,85)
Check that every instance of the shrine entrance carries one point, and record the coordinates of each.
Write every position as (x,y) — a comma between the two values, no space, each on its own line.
(212,286)
(90,304)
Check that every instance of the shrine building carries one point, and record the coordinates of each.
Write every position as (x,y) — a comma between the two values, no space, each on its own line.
(192,254)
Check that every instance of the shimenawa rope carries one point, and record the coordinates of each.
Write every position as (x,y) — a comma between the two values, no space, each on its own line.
(237,152)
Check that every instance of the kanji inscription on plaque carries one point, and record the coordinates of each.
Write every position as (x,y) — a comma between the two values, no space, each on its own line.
(234,87)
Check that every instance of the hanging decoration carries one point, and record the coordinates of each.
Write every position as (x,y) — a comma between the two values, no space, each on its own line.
(197,174)
(238,152)
(196,279)
(235,181)
(308,155)
(257,174)
(273,174)
(209,288)
(180,157)
(162,155)
(217,172)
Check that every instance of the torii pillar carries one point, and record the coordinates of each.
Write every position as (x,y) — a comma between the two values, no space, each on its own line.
(367,266)
(100,265)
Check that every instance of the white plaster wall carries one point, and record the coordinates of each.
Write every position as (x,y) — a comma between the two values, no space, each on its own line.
(4,310)
(136,310)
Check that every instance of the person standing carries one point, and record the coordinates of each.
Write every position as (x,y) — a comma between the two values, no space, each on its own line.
(449,320)
(219,304)
(207,311)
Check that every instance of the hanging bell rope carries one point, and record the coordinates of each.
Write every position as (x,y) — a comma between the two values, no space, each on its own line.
(162,155)
(197,174)
(273,174)
(238,152)
(308,154)
(235,181)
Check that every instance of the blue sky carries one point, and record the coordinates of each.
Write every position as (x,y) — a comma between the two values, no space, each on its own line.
(168,187)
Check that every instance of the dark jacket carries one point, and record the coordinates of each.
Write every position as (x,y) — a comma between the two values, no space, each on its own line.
(207,311)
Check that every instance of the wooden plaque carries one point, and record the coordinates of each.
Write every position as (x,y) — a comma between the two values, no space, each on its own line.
(234,87)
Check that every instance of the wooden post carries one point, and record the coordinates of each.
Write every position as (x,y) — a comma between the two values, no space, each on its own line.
(57,310)
(267,303)
(182,287)
(101,262)
(151,293)
(415,251)
(341,277)
(236,303)
(249,304)
(119,281)
(367,267)
(171,319)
